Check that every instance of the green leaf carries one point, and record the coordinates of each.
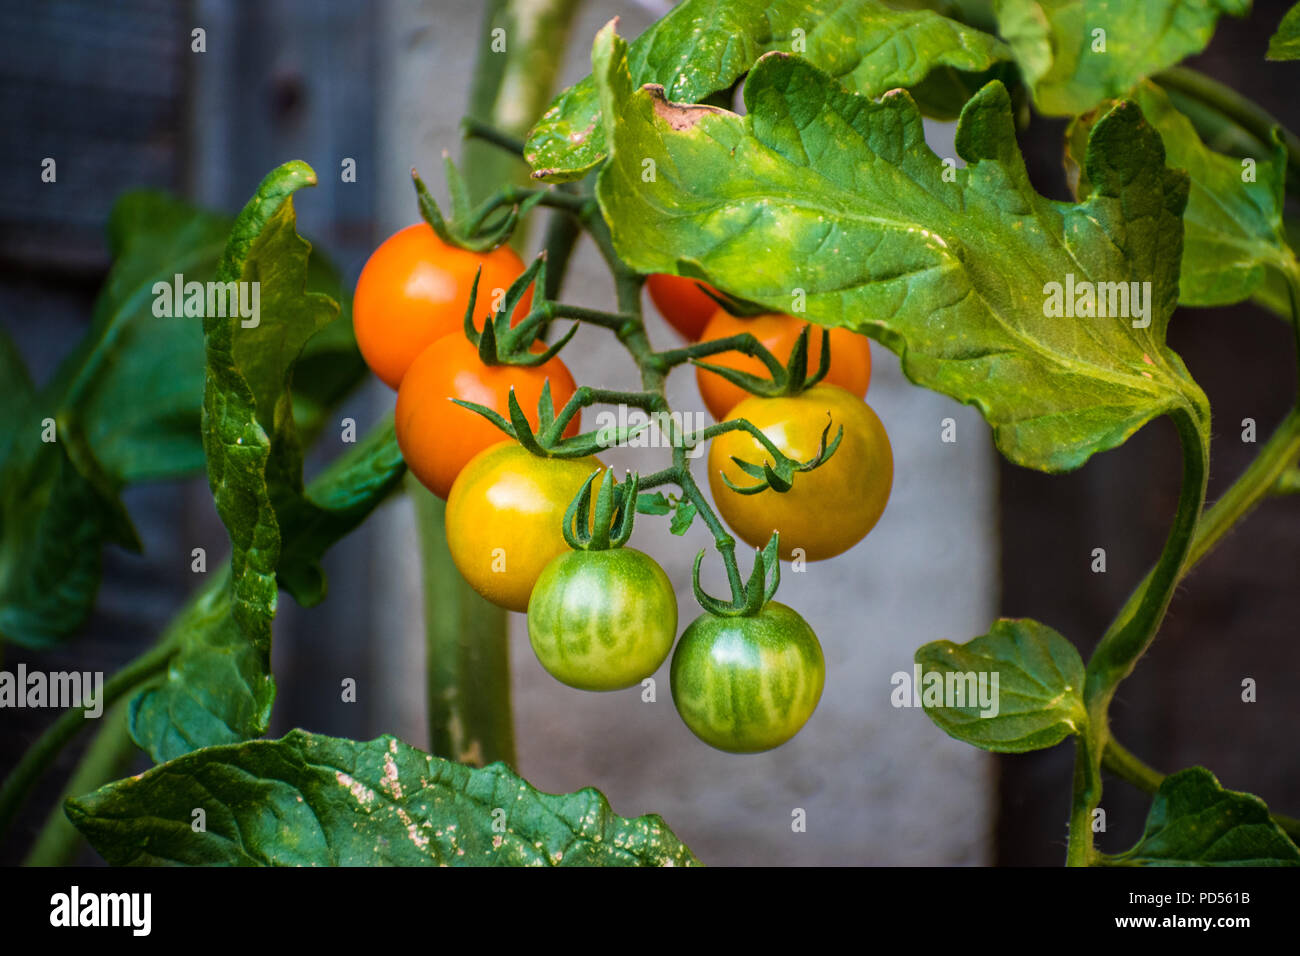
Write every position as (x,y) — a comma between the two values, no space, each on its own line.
(704,46)
(1274,293)
(126,404)
(53,524)
(1071,67)
(218,688)
(311,800)
(339,500)
(17,391)
(138,382)
(1232,227)
(948,267)
(1285,43)
(683,515)
(1038,695)
(653,503)
(1195,822)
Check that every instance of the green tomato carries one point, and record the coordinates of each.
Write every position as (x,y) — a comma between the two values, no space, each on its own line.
(602,620)
(748,684)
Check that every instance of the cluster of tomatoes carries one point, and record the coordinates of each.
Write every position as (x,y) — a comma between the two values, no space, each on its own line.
(604,617)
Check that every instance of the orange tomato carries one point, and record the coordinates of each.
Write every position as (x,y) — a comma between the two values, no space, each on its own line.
(850,356)
(438,437)
(414,290)
(680,301)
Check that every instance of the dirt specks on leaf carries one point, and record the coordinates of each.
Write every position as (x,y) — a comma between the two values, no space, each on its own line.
(360,792)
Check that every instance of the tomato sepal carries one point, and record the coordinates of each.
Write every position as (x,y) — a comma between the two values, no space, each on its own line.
(615,513)
(780,477)
(466,228)
(789,379)
(753,596)
(547,440)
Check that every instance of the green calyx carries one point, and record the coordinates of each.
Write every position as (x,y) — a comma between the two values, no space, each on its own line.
(789,379)
(611,526)
(499,343)
(478,229)
(779,476)
(753,595)
(547,440)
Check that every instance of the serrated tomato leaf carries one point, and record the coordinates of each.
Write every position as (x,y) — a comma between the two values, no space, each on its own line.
(218,687)
(311,800)
(704,46)
(1233,232)
(1017,688)
(1075,53)
(683,516)
(966,273)
(1194,821)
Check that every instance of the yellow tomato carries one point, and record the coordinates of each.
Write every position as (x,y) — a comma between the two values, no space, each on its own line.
(505,518)
(829,509)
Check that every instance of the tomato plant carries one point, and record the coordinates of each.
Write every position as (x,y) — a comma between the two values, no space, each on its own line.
(830,220)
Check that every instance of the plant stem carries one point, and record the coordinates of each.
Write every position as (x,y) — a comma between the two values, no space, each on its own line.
(562,232)
(1247,114)
(1275,456)
(476,129)
(466,637)
(1122,763)
(1130,635)
(71,722)
(1132,631)
(1255,483)
(467,653)
(105,760)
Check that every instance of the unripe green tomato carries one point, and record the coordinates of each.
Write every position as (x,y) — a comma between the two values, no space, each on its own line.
(748,684)
(602,620)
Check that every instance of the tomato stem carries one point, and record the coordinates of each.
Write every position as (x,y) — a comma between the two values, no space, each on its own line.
(477,129)
(40,755)
(1247,114)
(1129,636)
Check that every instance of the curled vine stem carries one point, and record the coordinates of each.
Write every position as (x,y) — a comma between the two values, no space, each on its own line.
(754,594)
